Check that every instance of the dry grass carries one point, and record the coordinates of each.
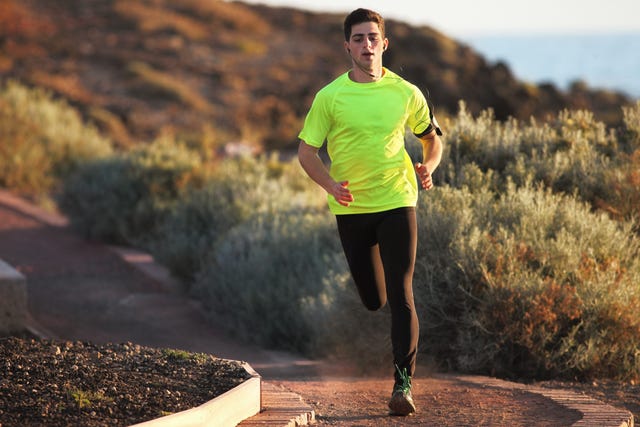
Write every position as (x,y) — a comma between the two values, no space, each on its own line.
(152,18)
(70,86)
(234,15)
(172,85)
(113,125)
(18,19)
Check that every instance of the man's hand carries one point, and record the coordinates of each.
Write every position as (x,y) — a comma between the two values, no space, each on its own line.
(340,192)
(317,171)
(431,156)
(424,175)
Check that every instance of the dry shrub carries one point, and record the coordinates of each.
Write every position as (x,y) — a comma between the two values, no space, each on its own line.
(631,131)
(6,63)
(124,199)
(236,190)
(273,118)
(43,140)
(69,86)
(573,154)
(151,18)
(17,50)
(250,46)
(172,85)
(234,15)
(607,342)
(111,124)
(19,21)
(624,194)
(622,201)
(527,284)
(24,162)
(528,328)
(272,278)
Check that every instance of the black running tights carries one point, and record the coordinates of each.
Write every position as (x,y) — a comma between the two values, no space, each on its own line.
(381,251)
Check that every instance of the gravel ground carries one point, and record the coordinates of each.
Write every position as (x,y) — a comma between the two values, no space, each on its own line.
(62,383)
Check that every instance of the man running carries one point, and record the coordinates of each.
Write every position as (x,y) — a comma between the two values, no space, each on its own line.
(371,185)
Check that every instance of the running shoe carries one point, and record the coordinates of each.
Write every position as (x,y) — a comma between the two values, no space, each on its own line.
(401,402)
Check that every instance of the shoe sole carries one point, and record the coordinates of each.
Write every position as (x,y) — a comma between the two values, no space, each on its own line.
(400,406)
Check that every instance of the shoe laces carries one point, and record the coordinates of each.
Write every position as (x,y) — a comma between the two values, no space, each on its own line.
(403,382)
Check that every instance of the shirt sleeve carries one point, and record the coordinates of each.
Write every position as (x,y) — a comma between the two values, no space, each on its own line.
(419,119)
(317,123)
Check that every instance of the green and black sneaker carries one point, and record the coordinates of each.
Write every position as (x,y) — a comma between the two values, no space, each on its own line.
(401,402)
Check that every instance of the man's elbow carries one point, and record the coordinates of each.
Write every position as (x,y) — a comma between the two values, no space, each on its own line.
(304,152)
(437,148)
(438,144)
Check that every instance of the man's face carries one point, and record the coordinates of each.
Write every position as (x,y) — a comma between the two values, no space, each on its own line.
(366,44)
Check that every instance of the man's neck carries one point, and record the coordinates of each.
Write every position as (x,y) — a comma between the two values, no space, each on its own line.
(359,75)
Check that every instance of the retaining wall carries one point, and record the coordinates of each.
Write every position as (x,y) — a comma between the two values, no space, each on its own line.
(13,300)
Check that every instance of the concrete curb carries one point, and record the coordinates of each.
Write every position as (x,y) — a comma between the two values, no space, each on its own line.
(26,208)
(228,409)
(594,412)
(281,408)
(13,299)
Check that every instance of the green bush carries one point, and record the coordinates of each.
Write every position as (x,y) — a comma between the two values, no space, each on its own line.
(622,201)
(572,154)
(235,191)
(272,278)
(42,140)
(511,278)
(631,132)
(124,199)
(622,198)
(192,227)
(527,283)
(527,262)
(522,283)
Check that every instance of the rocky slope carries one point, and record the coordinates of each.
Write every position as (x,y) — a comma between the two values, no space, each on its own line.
(213,71)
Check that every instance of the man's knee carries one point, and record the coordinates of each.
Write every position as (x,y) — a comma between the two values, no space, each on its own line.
(373,304)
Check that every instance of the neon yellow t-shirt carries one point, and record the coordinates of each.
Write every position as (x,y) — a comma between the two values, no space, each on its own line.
(364,125)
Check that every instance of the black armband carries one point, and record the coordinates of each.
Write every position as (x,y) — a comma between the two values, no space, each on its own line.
(433,125)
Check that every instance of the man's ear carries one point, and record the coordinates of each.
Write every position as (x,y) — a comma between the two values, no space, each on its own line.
(386,44)
(346,47)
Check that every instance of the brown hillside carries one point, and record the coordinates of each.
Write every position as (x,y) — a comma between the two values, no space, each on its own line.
(232,71)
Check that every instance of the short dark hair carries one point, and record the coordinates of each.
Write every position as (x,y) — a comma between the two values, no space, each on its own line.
(359,16)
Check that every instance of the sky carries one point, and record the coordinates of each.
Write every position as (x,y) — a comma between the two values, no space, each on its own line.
(464,18)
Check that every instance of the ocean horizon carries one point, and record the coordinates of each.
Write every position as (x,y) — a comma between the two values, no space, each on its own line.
(603,61)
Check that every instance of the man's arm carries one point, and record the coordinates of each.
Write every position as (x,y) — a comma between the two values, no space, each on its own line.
(431,156)
(317,171)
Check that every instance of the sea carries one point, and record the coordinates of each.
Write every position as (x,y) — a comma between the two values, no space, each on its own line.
(602,61)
